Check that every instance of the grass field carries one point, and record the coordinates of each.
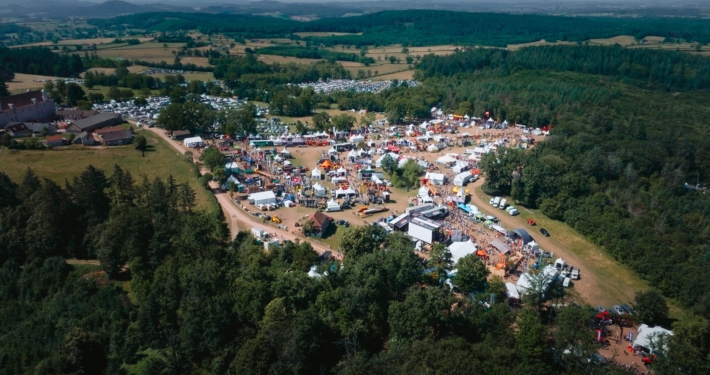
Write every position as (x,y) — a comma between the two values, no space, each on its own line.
(323,34)
(619,280)
(66,163)
(403,75)
(23,82)
(542,42)
(624,40)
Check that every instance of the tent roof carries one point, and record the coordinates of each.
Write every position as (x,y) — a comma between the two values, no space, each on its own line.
(648,334)
(502,247)
(316,172)
(522,233)
(318,186)
(446,159)
(326,164)
(461,249)
(262,195)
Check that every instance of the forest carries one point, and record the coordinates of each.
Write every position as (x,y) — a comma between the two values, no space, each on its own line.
(422,27)
(40,61)
(670,70)
(173,295)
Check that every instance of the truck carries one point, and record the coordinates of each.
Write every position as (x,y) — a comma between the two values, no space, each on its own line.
(496,201)
(501,205)
(575,274)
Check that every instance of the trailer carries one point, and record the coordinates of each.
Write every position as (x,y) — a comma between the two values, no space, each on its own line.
(372,211)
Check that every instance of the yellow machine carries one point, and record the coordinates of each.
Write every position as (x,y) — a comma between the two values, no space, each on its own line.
(276,220)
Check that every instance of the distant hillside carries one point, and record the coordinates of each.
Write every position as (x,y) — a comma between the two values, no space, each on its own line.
(424,27)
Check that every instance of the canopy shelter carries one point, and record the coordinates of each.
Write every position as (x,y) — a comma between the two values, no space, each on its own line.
(316,174)
(522,234)
(326,164)
(648,337)
(423,191)
(436,178)
(461,249)
(285,151)
(357,138)
(342,171)
(333,151)
(500,246)
(231,166)
(333,205)
(264,197)
(319,190)
(446,159)
(376,180)
(352,154)
(340,193)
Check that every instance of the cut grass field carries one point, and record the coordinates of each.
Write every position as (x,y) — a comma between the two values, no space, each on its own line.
(542,42)
(67,162)
(23,82)
(619,283)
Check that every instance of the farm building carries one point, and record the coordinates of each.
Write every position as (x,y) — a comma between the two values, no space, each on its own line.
(92,123)
(54,140)
(180,135)
(75,115)
(84,138)
(17,129)
(194,142)
(116,137)
(27,106)
(320,222)
(264,197)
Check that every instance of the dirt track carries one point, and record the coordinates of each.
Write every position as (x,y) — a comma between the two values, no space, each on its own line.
(236,217)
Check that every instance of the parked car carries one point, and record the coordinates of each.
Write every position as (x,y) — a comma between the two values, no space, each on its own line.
(619,310)
(601,308)
(575,274)
(344,223)
(547,254)
(627,308)
(387,182)
(544,232)
(492,218)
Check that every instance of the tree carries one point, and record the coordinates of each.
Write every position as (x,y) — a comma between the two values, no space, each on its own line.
(389,164)
(440,259)
(362,240)
(393,59)
(424,313)
(301,128)
(472,273)
(141,144)
(188,116)
(321,121)
(650,307)
(367,119)
(308,227)
(303,255)
(411,171)
(409,59)
(212,158)
(238,122)
(465,108)
(343,122)
(73,93)
(530,343)
(114,93)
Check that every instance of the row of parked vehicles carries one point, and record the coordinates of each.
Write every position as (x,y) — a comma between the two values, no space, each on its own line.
(501,203)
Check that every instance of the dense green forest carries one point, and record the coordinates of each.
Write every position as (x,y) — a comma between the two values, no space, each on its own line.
(40,61)
(670,70)
(193,302)
(422,27)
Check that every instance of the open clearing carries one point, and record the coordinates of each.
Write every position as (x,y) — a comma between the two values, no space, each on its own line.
(323,34)
(404,75)
(541,42)
(65,163)
(624,40)
(24,82)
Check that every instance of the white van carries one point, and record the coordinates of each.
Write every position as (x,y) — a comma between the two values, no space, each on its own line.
(496,202)
(513,212)
(502,204)
(491,201)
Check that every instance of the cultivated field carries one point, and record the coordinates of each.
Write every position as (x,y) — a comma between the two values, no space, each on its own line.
(64,164)
(23,82)
(404,75)
(624,40)
(542,42)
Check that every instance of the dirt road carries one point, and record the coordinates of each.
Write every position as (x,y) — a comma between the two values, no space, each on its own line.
(236,217)
(589,286)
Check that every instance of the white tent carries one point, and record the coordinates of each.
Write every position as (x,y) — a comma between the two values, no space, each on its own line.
(460,166)
(436,178)
(333,206)
(352,154)
(286,162)
(648,337)
(193,142)
(278,158)
(423,200)
(316,174)
(461,249)
(231,165)
(446,159)
(402,162)
(376,180)
(423,191)
(264,197)
(357,138)
(344,192)
(432,148)
(333,151)
(319,190)
(285,151)
(361,152)
(342,171)
(462,179)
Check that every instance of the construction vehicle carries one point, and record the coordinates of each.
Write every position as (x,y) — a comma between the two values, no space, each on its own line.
(276,220)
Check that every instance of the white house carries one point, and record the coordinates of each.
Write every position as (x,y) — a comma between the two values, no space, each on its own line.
(264,197)
(194,142)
